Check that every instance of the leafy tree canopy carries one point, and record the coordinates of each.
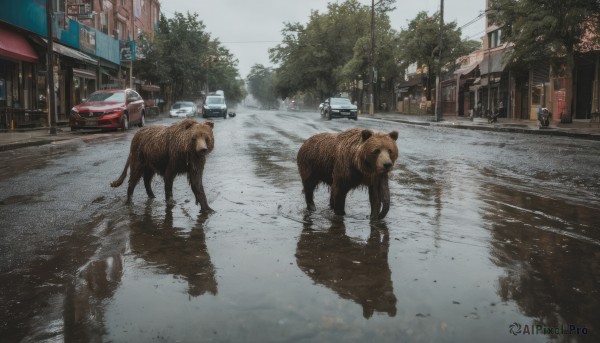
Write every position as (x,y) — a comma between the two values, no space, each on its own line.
(543,29)
(315,56)
(420,44)
(261,85)
(184,56)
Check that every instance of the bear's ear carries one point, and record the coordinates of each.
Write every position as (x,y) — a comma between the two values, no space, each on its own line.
(394,135)
(189,123)
(209,123)
(365,134)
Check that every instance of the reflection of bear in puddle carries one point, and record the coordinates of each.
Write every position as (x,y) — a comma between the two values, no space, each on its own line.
(169,249)
(355,270)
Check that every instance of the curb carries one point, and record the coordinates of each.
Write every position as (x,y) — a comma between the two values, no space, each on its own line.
(541,132)
(12,146)
(49,139)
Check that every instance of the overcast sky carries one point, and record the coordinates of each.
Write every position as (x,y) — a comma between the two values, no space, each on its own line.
(248,28)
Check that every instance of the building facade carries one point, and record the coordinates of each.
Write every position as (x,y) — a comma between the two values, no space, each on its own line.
(484,83)
(88,36)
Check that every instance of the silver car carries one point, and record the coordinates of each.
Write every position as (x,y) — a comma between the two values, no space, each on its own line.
(183,109)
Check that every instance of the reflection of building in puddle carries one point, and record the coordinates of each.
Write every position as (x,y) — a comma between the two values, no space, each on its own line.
(84,301)
(550,256)
(95,284)
(164,246)
(355,270)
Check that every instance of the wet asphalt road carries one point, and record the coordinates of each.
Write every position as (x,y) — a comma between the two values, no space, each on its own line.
(488,234)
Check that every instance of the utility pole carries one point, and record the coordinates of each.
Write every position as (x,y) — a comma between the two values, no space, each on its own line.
(438,82)
(371,59)
(50,69)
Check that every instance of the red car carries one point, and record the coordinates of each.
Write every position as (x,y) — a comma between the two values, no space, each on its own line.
(109,109)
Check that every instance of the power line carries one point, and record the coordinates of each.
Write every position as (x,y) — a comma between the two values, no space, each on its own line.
(476,34)
(253,42)
(474,20)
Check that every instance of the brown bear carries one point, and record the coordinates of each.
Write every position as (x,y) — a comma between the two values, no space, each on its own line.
(169,151)
(345,161)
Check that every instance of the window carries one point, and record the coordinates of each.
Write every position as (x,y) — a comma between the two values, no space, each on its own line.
(104,22)
(494,38)
(120,30)
(59,6)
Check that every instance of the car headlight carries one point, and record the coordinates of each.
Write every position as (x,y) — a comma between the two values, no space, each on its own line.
(74,112)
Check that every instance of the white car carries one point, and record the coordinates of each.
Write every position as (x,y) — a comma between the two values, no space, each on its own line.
(183,109)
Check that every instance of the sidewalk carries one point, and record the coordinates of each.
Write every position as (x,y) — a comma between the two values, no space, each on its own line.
(21,138)
(583,129)
(14,139)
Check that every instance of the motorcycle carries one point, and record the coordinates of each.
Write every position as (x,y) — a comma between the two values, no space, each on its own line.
(493,117)
(544,116)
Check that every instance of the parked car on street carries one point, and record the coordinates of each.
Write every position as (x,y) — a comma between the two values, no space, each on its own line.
(339,108)
(183,109)
(109,109)
(214,106)
(293,106)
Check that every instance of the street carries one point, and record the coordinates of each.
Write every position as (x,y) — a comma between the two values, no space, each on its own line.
(490,237)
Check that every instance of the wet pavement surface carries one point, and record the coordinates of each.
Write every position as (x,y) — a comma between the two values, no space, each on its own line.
(490,237)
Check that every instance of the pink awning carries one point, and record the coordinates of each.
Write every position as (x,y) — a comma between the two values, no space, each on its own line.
(16,47)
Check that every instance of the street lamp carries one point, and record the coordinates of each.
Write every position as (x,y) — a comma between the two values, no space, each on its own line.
(438,87)
(371,59)
(50,69)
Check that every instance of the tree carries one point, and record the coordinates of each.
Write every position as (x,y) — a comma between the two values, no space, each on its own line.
(420,44)
(261,85)
(184,56)
(315,57)
(546,30)
(148,64)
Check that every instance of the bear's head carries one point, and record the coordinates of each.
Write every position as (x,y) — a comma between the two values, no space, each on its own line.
(199,135)
(378,152)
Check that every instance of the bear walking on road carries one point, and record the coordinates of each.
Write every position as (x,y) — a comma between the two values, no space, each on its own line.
(345,161)
(169,151)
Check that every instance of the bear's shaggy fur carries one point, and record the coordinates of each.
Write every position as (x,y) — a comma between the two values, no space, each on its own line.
(346,161)
(169,151)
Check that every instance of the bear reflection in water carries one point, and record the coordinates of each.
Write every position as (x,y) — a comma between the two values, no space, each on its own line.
(355,270)
(173,251)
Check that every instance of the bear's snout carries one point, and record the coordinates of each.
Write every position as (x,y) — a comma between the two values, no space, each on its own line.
(201,146)
(384,162)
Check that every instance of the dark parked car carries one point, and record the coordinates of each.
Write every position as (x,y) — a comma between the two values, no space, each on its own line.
(339,108)
(109,109)
(214,106)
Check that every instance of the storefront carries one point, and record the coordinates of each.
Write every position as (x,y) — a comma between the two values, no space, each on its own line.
(466,76)
(75,77)
(19,105)
(411,99)
(150,94)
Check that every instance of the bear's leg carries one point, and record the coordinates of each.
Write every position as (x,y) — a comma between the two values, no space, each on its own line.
(375,200)
(137,171)
(384,191)
(148,175)
(339,193)
(309,186)
(169,178)
(195,179)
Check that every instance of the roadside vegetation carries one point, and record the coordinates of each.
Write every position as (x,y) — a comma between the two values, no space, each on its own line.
(184,57)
